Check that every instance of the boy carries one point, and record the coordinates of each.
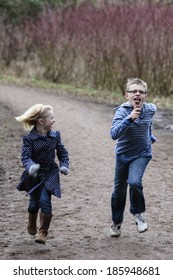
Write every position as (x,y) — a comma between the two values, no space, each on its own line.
(132,127)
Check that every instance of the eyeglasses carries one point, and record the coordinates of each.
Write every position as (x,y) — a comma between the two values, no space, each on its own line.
(135,91)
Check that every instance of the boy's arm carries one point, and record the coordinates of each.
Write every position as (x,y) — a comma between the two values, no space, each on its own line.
(153,108)
(120,124)
(152,137)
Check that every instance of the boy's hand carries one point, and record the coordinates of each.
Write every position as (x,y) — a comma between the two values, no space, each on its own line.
(153,139)
(64,170)
(135,113)
(34,169)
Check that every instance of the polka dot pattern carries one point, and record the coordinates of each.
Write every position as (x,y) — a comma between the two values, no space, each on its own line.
(43,150)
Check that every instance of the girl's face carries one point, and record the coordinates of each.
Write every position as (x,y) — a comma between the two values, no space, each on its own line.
(136,95)
(48,120)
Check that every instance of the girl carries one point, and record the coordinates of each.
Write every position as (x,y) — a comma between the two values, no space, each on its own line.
(41,176)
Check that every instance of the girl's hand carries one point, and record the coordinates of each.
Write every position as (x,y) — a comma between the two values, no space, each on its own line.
(34,169)
(64,170)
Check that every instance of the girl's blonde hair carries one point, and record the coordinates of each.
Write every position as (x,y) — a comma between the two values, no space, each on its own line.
(32,115)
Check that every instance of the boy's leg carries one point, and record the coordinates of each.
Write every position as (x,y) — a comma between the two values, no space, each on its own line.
(118,199)
(136,171)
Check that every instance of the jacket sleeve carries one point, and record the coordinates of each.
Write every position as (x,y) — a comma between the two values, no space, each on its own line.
(152,137)
(153,110)
(120,124)
(27,153)
(62,153)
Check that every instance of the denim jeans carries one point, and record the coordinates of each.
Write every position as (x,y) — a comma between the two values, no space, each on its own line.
(40,199)
(128,173)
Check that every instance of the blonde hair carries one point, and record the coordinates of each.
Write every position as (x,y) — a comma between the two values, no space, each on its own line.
(136,81)
(32,115)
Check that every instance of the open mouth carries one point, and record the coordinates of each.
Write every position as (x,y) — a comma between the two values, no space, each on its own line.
(137,100)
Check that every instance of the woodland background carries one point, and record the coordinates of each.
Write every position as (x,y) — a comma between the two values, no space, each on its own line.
(93,45)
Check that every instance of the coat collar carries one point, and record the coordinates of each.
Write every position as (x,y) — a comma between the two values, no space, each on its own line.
(128,105)
(34,134)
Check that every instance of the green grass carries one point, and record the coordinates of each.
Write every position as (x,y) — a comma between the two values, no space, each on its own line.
(93,94)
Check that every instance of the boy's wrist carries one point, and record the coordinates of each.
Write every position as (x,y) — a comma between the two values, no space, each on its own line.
(130,118)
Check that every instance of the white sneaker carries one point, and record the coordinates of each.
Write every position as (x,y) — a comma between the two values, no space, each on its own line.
(141,223)
(115,230)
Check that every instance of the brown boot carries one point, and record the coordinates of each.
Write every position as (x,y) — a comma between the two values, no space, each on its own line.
(32,223)
(43,230)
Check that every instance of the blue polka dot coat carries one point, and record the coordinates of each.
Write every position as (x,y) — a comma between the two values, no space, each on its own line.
(43,150)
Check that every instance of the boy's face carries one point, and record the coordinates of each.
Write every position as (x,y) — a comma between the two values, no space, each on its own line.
(136,95)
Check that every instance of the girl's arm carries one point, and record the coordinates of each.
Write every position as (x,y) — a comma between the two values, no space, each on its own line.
(62,153)
(27,153)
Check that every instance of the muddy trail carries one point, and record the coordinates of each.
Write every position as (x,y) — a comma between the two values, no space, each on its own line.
(81,218)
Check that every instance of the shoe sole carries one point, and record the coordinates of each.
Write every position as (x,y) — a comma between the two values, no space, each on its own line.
(145,229)
(141,231)
(115,234)
(40,241)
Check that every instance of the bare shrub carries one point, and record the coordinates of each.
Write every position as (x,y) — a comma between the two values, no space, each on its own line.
(98,46)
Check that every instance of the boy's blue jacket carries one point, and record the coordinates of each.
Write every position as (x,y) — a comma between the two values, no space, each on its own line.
(134,137)
(42,150)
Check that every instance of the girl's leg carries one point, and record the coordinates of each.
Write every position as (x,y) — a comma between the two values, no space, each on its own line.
(136,171)
(33,212)
(33,206)
(45,215)
(45,201)
(118,199)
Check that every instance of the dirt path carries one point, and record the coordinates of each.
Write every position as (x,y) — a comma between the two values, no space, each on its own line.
(82,218)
